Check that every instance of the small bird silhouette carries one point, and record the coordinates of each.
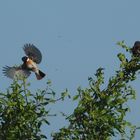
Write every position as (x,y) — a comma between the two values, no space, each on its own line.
(136,49)
(30,61)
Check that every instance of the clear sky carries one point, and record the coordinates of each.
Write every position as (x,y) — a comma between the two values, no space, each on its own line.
(75,37)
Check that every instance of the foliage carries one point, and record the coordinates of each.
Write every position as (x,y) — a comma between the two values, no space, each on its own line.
(100,114)
(23,113)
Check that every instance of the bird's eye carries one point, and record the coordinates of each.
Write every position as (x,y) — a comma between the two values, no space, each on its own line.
(24,59)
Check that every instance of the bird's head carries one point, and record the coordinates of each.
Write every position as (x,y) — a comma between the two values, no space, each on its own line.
(24,59)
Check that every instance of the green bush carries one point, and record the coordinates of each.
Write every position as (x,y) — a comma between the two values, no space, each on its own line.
(99,115)
(22,113)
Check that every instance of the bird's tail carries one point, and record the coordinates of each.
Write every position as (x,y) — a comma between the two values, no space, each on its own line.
(40,75)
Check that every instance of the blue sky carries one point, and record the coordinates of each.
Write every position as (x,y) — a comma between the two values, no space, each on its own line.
(75,37)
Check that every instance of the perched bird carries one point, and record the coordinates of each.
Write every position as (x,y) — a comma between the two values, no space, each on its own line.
(30,61)
(136,49)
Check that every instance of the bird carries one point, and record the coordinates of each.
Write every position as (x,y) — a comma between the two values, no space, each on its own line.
(136,49)
(32,57)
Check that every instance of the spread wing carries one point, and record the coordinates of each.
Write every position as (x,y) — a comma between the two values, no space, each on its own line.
(33,52)
(15,72)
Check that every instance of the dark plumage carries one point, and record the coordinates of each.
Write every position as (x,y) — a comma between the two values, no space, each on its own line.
(136,48)
(16,72)
(30,62)
(33,53)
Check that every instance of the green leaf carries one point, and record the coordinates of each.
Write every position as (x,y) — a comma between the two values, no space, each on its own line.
(76,97)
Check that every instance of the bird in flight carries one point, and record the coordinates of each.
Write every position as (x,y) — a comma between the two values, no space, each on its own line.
(30,61)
